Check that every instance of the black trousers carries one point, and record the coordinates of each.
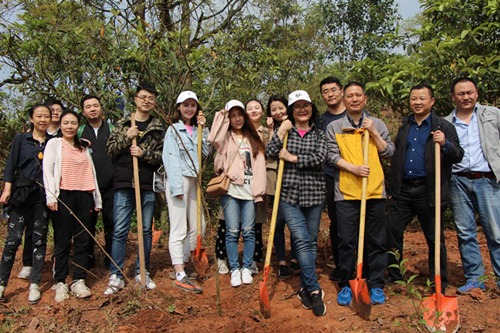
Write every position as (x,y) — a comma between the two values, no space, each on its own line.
(348,213)
(332,214)
(107,221)
(220,243)
(413,201)
(33,213)
(67,228)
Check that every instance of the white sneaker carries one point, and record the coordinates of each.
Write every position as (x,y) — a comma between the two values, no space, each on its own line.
(246,276)
(254,269)
(149,283)
(25,273)
(35,295)
(115,284)
(61,292)
(80,290)
(236,278)
(2,291)
(222,264)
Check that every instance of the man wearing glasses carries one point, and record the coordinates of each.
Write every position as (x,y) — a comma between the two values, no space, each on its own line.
(475,187)
(149,133)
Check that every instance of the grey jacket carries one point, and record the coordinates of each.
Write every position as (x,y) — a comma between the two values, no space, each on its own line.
(489,132)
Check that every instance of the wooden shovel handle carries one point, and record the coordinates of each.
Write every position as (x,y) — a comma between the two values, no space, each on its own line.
(198,187)
(437,220)
(362,213)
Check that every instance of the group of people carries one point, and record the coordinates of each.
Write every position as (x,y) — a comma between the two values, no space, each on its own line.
(79,170)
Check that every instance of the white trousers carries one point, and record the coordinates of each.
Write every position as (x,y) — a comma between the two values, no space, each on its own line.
(183,222)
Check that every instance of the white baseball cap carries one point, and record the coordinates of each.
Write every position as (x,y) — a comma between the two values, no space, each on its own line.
(298,95)
(234,103)
(186,95)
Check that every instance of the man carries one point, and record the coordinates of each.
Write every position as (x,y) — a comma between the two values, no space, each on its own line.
(331,92)
(412,177)
(474,186)
(345,153)
(149,133)
(97,132)
(56,109)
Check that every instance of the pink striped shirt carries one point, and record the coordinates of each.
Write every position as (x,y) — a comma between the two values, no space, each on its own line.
(76,173)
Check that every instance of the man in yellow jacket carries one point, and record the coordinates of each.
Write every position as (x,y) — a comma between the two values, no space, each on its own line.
(345,152)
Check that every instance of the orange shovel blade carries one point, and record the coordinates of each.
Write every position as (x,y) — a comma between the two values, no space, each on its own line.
(361,297)
(440,313)
(200,260)
(265,304)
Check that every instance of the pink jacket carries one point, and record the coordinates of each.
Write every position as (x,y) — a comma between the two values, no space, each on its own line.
(227,146)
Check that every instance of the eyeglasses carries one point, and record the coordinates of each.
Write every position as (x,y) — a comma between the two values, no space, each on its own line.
(301,107)
(332,90)
(149,98)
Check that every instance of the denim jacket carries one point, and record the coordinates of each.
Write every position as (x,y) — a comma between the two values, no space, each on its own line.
(180,152)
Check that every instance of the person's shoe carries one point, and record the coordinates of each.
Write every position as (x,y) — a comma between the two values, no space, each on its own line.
(377,296)
(191,274)
(80,290)
(188,285)
(344,298)
(246,276)
(284,272)
(335,275)
(2,291)
(61,292)
(390,280)
(305,297)
(236,278)
(469,286)
(318,306)
(150,285)
(115,284)
(295,268)
(35,295)
(222,264)
(25,273)
(254,269)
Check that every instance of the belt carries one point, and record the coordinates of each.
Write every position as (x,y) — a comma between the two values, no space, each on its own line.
(475,175)
(415,182)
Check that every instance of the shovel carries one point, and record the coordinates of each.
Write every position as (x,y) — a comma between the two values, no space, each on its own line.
(200,259)
(440,312)
(138,209)
(359,287)
(265,305)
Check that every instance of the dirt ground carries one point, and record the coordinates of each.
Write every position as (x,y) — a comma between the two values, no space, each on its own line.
(168,309)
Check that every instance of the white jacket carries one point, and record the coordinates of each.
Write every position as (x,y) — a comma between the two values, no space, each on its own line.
(52,168)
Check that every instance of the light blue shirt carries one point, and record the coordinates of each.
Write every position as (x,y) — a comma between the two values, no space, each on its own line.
(470,141)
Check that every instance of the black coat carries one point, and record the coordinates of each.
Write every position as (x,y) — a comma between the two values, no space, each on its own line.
(454,155)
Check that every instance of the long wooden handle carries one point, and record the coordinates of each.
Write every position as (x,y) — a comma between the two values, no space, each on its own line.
(198,187)
(276,204)
(437,220)
(362,213)
(138,208)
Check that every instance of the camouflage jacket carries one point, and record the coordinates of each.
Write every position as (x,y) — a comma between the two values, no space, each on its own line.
(118,147)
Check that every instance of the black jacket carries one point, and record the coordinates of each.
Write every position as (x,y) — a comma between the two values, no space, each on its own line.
(454,155)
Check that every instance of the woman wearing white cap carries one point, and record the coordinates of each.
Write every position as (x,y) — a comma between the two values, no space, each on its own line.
(180,158)
(240,155)
(303,189)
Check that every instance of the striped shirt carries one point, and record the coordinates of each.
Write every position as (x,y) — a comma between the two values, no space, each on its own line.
(76,173)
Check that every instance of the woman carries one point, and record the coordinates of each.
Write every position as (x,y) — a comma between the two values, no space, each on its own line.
(70,179)
(180,157)
(276,113)
(26,199)
(240,155)
(303,189)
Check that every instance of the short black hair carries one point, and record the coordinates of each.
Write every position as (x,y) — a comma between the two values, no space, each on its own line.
(32,109)
(148,87)
(51,101)
(87,97)
(462,79)
(355,83)
(330,79)
(423,86)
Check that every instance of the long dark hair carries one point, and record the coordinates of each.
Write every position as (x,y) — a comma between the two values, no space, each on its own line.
(80,144)
(275,98)
(251,134)
(31,112)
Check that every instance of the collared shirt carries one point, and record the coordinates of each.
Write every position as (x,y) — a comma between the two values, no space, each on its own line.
(474,160)
(359,124)
(415,148)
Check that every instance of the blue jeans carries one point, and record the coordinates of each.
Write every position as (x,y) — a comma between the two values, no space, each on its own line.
(234,211)
(303,223)
(481,196)
(123,207)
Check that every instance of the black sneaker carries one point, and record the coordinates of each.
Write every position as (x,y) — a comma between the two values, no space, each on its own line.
(305,297)
(335,275)
(295,268)
(284,272)
(318,307)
